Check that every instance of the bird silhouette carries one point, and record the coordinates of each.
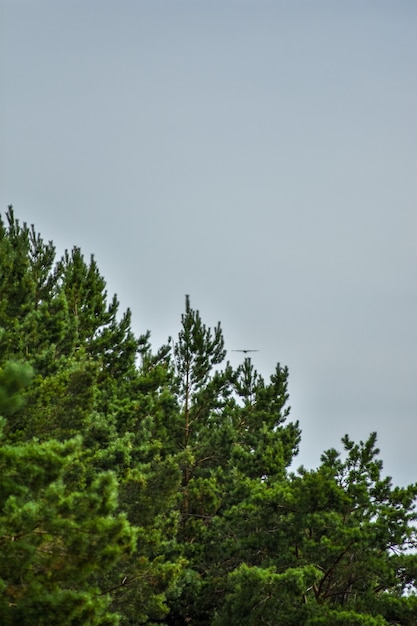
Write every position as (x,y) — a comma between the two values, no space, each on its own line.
(245,351)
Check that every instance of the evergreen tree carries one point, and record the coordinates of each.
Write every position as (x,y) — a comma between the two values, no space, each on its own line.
(86,381)
(336,546)
(233,437)
(30,308)
(53,538)
(142,488)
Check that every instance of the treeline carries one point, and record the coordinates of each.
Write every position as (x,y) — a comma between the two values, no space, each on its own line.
(142,487)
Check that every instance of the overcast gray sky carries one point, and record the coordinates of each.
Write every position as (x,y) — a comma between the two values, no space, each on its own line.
(259,156)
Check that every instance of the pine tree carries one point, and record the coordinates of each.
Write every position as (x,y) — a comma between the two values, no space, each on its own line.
(233,438)
(142,488)
(30,309)
(334,548)
(53,538)
(87,382)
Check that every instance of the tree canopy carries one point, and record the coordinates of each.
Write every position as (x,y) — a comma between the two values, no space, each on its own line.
(155,487)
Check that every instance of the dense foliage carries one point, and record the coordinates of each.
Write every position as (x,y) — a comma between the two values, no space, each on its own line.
(154,488)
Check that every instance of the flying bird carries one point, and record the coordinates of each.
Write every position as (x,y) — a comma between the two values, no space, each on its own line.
(245,351)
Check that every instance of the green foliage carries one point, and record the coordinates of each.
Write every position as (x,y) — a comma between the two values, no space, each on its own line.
(264,596)
(154,488)
(14,378)
(86,380)
(53,538)
(232,441)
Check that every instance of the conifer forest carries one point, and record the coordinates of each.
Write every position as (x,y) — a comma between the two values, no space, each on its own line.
(142,486)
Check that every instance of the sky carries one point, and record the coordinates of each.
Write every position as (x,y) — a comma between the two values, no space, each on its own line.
(260,156)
